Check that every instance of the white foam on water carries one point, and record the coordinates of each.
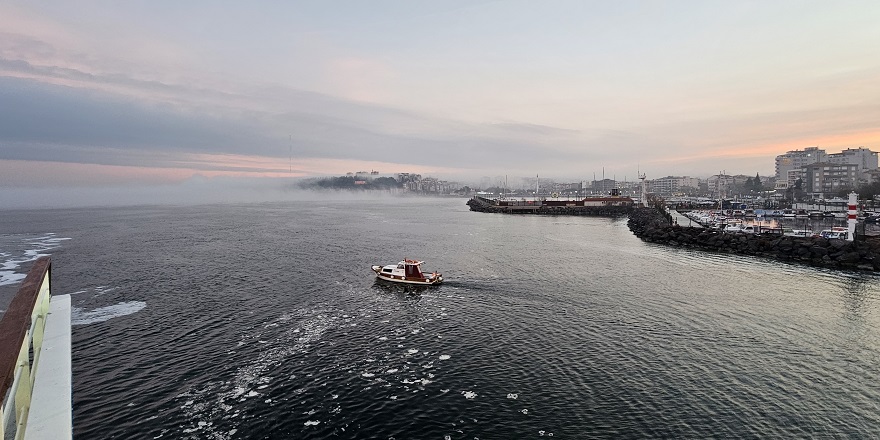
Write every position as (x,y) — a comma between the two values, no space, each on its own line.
(524,411)
(23,248)
(512,396)
(85,317)
(383,370)
(312,423)
(10,277)
(218,399)
(100,290)
(444,357)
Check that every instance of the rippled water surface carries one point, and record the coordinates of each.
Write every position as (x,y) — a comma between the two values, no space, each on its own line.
(265,322)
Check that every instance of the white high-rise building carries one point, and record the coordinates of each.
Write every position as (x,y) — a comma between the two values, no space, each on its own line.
(796,160)
(863,158)
(667,186)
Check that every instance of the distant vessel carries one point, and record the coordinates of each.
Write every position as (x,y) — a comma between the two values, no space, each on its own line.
(835,232)
(804,232)
(407,271)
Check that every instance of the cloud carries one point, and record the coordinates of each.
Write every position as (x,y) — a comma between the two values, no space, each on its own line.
(422,90)
(71,124)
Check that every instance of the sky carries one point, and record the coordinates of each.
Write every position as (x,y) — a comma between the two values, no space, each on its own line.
(107,97)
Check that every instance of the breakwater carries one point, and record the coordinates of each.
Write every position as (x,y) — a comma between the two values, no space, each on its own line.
(863,254)
(481,204)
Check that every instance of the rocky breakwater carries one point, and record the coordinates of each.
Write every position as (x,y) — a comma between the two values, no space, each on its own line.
(863,254)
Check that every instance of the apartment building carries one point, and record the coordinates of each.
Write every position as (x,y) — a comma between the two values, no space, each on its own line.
(670,185)
(796,160)
(823,179)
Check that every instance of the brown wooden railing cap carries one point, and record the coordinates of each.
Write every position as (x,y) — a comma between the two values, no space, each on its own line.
(17,320)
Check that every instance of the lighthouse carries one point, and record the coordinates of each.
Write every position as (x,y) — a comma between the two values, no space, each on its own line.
(852,205)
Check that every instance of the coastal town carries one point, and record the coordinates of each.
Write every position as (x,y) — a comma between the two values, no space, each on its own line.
(804,175)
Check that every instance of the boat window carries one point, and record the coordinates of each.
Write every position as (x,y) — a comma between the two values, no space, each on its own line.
(386,270)
(400,266)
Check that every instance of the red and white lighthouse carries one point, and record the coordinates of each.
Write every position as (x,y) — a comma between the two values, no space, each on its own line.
(851,216)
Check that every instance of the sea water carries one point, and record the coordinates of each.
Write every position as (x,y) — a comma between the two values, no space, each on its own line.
(265,321)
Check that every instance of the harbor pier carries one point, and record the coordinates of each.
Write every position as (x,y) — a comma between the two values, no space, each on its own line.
(610,206)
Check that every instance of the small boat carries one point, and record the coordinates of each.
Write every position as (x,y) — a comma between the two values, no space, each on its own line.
(750,229)
(733,228)
(805,232)
(408,272)
(835,232)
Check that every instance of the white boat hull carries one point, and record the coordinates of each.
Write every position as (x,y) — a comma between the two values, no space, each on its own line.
(399,277)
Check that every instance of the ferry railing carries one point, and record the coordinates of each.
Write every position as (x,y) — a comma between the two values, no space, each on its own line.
(22,333)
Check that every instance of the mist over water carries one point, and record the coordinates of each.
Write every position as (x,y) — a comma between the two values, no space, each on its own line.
(193,191)
(241,321)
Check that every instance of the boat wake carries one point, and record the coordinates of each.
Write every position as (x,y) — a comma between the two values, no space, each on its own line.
(223,402)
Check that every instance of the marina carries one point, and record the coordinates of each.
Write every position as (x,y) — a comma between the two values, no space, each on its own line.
(764,224)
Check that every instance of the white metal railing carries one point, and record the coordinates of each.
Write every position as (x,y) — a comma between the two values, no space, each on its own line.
(20,351)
